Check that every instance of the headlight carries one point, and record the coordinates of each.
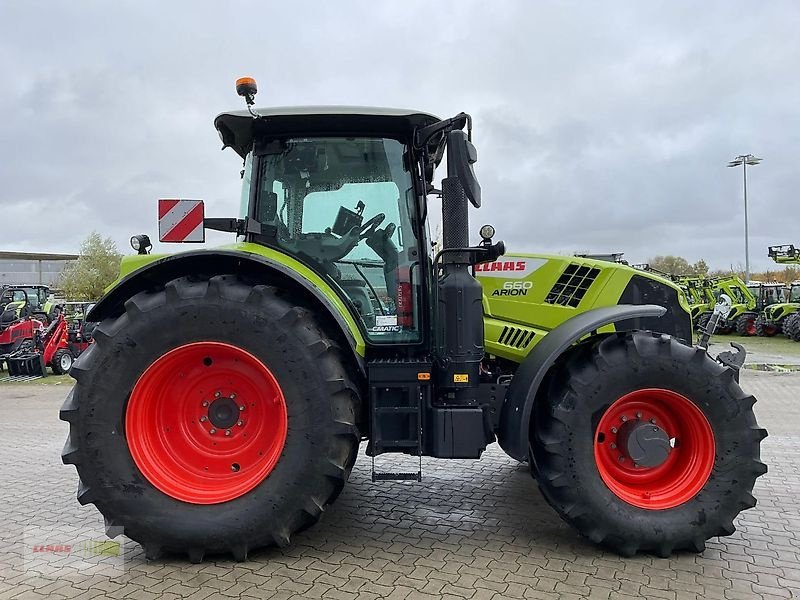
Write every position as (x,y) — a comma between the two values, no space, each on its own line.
(487,232)
(141,243)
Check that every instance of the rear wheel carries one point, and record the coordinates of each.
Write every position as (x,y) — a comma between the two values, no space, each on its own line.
(645,444)
(702,321)
(746,324)
(763,327)
(211,417)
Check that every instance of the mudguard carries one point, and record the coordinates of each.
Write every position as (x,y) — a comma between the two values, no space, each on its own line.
(255,267)
(515,416)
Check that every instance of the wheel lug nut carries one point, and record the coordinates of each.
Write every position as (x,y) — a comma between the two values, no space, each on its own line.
(638,415)
(205,403)
(203,419)
(624,418)
(240,423)
(613,430)
(621,458)
(227,432)
(653,421)
(212,431)
(233,396)
(241,407)
(217,394)
(613,446)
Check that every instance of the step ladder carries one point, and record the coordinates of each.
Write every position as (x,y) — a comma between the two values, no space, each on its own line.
(396,408)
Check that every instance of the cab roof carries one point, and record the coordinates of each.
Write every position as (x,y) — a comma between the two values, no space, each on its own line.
(238,129)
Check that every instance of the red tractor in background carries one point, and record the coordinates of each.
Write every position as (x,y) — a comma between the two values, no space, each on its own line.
(30,347)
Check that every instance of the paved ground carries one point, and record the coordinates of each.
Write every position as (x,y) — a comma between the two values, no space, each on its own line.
(474,530)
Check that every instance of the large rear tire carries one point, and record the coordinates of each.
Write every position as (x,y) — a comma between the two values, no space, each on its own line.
(155,429)
(710,439)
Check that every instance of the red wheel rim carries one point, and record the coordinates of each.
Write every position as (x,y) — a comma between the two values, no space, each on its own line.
(206,422)
(751,327)
(687,467)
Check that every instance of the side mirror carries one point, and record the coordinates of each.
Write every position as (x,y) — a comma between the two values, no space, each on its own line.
(461,155)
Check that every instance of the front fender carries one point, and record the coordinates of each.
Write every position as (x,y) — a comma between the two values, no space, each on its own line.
(253,262)
(515,416)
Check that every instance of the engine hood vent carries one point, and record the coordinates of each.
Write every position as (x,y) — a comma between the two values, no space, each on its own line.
(516,337)
(572,286)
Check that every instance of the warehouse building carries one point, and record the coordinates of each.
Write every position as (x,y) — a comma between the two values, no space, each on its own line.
(33,267)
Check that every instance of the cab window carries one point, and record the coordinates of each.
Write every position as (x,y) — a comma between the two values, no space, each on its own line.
(345,205)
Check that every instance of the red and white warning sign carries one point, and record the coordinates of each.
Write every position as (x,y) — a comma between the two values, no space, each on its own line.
(181,221)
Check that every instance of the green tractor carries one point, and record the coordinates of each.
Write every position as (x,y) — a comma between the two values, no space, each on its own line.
(774,318)
(700,295)
(742,316)
(223,401)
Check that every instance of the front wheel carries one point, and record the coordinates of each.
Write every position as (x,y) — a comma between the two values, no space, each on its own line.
(62,361)
(645,444)
(702,321)
(746,324)
(211,417)
(764,328)
(791,327)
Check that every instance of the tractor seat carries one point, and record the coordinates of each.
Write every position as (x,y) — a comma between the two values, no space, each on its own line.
(8,316)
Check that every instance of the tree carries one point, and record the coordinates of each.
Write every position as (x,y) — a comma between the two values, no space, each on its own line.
(700,267)
(96,267)
(677,265)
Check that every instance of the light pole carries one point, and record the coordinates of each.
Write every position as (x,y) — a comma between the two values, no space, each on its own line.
(744,160)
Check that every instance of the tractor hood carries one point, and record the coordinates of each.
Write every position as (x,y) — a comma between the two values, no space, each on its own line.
(238,129)
(527,295)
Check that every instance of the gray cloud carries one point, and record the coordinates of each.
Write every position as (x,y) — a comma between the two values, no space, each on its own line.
(600,127)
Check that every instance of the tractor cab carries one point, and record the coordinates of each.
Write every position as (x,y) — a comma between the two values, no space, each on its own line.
(346,202)
(343,190)
(794,292)
(15,305)
(35,297)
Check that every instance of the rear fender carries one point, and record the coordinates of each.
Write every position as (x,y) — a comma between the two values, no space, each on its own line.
(515,416)
(254,268)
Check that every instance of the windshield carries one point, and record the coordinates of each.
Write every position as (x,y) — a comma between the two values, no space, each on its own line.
(345,206)
(12,296)
(795,293)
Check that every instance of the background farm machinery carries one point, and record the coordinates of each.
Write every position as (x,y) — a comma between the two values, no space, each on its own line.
(29,345)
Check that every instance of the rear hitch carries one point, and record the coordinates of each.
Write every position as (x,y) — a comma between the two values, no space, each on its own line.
(732,360)
(721,310)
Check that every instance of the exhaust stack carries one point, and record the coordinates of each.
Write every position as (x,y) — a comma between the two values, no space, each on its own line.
(459,310)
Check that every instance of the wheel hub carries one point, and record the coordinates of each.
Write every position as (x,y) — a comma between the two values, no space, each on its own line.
(646,444)
(223,413)
(654,448)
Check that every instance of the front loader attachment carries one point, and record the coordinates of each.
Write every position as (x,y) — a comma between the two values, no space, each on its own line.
(26,364)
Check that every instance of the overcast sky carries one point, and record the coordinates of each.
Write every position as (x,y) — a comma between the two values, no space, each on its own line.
(600,126)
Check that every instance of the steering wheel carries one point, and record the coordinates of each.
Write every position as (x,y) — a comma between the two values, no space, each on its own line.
(368,228)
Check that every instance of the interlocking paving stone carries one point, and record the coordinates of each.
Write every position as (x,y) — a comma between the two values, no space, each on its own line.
(473,529)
